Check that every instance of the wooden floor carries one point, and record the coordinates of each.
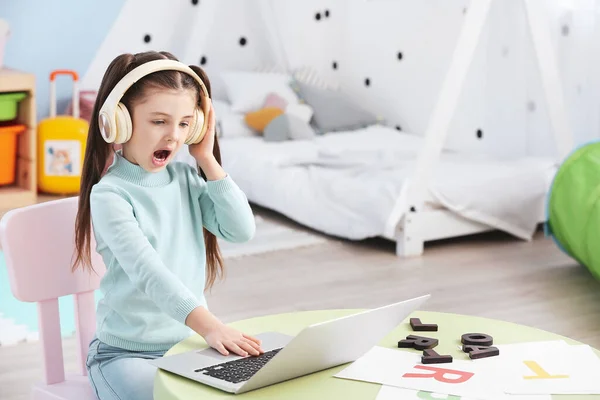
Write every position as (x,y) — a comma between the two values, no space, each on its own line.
(490,275)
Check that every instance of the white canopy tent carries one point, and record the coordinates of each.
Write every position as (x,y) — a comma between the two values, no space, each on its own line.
(417,224)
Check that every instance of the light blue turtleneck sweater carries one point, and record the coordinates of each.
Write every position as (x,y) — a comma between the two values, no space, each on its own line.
(148,229)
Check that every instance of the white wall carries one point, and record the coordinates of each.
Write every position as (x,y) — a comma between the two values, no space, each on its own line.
(502,97)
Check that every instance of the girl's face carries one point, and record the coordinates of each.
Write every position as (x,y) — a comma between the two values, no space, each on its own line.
(161,122)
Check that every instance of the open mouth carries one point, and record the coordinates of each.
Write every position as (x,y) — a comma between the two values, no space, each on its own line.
(160,156)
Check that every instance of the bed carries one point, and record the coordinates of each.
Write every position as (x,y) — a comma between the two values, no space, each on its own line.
(353,185)
(369,180)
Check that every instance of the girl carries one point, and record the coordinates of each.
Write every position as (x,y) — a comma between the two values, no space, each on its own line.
(156,224)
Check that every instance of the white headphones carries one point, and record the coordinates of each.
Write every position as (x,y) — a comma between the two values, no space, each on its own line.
(114,118)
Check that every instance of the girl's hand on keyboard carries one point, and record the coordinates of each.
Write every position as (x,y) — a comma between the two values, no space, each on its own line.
(224,339)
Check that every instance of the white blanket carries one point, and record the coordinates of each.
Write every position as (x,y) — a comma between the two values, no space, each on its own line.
(348,184)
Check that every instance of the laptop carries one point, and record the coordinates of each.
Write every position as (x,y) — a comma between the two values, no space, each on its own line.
(317,347)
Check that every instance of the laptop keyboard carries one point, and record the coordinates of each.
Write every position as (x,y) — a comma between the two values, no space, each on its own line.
(238,370)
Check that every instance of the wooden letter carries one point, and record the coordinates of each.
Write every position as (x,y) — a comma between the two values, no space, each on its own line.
(477,339)
(417,325)
(480,351)
(418,342)
(432,357)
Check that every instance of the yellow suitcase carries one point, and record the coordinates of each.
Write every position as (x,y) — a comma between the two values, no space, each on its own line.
(61,145)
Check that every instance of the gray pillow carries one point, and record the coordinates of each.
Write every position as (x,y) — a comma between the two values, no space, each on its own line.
(288,127)
(333,111)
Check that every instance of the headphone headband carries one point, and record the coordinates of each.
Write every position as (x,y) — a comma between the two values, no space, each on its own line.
(107,115)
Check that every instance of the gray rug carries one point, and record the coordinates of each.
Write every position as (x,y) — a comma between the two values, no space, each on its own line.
(271,235)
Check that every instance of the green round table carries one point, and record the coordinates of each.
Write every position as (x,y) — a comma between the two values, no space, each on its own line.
(322,385)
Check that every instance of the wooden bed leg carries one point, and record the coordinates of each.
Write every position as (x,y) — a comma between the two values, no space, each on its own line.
(408,240)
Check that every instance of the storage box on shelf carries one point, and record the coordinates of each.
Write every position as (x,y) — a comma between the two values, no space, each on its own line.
(22,191)
(9,136)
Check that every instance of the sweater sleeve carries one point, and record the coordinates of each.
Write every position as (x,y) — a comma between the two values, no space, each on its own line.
(115,224)
(225,210)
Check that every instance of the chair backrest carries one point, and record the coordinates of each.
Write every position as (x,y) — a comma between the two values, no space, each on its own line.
(38,242)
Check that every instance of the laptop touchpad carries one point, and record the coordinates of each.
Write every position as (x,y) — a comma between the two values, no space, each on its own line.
(215,355)
(270,341)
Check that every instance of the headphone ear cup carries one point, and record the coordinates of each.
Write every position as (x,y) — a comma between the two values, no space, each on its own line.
(195,135)
(204,125)
(107,129)
(123,124)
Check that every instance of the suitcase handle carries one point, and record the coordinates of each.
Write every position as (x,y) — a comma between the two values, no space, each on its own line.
(75,100)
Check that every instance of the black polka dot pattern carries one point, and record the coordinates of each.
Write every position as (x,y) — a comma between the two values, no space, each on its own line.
(400,55)
(318,16)
(479,134)
(367,82)
(147,38)
(195,2)
(327,13)
(398,128)
(203,60)
(243,41)
(334,65)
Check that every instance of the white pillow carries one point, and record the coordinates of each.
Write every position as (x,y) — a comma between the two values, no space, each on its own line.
(247,90)
(230,124)
(233,125)
(301,111)
(221,108)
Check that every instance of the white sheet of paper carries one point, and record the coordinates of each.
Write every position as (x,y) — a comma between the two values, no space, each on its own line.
(396,393)
(404,369)
(554,367)
(554,370)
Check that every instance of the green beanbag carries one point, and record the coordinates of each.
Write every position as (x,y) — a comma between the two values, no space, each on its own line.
(573,207)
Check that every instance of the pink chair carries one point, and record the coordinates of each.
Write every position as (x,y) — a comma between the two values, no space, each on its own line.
(38,245)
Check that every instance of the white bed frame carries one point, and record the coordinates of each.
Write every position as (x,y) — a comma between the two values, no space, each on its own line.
(419,224)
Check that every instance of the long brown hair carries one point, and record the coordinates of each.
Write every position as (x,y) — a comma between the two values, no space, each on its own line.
(98,151)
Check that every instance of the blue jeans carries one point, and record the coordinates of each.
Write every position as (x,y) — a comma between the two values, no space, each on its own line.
(119,374)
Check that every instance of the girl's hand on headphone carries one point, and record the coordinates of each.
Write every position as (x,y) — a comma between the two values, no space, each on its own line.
(203,151)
